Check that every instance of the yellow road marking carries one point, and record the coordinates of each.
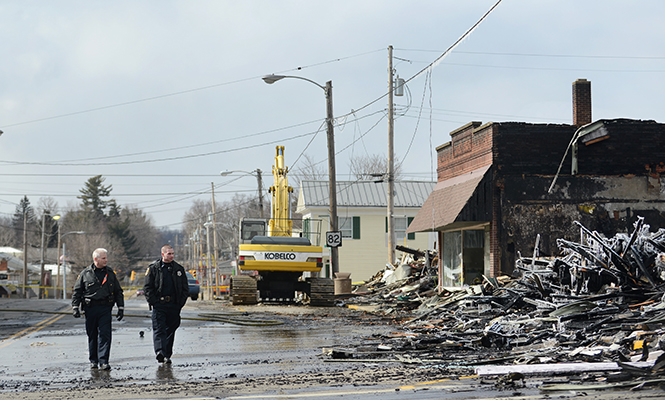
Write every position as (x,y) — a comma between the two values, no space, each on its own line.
(433,382)
(27,331)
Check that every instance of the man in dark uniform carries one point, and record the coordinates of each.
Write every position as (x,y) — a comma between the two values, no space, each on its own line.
(96,291)
(166,290)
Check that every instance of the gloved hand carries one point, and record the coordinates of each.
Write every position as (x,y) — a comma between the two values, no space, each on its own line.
(77,313)
(121,313)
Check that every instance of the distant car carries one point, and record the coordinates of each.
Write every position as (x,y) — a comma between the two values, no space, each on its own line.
(140,292)
(194,287)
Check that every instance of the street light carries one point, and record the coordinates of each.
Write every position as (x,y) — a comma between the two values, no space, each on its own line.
(257,172)
(64,262)
(332,184)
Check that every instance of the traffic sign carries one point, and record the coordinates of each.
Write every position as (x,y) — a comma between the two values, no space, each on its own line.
(334,239)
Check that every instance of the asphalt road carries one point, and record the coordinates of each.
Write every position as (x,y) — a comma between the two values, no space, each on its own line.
(43,355)
(40,348)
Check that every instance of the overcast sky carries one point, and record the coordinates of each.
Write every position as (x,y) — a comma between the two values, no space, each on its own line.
(160,96)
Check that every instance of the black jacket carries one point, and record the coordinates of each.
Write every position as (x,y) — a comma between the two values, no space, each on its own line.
(89,289)
(154,282)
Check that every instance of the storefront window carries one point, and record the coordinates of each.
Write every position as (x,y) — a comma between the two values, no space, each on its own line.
(463,257)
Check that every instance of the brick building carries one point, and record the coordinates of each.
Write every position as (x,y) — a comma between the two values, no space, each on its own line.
(498,187)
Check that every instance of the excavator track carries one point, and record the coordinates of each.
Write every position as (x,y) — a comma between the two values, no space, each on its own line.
(243,290)
(322,292)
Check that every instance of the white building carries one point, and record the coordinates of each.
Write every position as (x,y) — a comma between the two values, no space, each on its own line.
(362,219)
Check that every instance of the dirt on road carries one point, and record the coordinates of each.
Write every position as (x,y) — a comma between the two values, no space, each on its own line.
(358,363)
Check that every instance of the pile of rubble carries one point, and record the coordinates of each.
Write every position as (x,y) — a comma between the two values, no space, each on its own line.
(600,307)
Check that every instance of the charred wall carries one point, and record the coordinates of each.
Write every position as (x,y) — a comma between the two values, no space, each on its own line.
(623,147)
(619,177)
(608,205)
(534,149)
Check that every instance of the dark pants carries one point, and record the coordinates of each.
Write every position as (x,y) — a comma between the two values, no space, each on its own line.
(98,328)
(165,321)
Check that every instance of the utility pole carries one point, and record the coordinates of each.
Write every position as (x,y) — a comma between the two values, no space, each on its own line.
(25,254)
(214,237)
(41,279)
(208,255)
(332,184)
(57,285)
(260,181)
(200,250)
(391,162)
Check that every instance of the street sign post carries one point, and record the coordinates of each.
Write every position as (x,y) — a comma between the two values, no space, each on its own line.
(334,239)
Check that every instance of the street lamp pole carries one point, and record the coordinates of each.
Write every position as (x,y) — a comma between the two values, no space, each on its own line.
(64,271)
(64,262)
(332,183)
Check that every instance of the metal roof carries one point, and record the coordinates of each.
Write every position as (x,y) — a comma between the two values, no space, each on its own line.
(366,193)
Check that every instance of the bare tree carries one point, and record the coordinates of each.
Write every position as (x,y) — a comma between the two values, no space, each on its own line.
(80,246)
(6,232)
(372,167)
(196,215)
(48,206)
(229,214)
(309,171)
(142,227)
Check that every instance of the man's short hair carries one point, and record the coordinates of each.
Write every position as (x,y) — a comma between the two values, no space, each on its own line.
(165,247)
(98,252)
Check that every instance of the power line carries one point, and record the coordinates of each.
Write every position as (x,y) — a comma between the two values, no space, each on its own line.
(485,53)
(118,194)
(69,163)
(178,93)
(555,69)
(120,175)
(211,153)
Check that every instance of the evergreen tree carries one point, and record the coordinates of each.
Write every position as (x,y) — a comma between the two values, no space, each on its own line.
(92,197)
(119,229)
(23,210)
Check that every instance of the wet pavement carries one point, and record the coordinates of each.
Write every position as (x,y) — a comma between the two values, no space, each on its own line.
(43,355)
(52,349)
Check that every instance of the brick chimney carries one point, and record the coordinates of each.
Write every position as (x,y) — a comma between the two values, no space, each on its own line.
(581,102)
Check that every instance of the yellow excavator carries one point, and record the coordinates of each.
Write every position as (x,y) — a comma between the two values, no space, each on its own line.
(272,263)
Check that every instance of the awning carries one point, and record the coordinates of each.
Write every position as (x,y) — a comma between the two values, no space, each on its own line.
(446,201)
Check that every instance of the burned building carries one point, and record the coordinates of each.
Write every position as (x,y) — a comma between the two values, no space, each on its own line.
(500,185)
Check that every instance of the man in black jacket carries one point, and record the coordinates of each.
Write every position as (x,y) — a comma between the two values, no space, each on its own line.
(166,290)
(96,290)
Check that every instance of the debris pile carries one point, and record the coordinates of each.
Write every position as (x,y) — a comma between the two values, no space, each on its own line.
(599,304)
(400,288)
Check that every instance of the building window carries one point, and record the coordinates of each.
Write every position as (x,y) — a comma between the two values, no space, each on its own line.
(452,259)
(401,223)
(464,257)
(349,226)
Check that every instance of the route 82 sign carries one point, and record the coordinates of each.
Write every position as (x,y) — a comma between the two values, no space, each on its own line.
(334,239)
